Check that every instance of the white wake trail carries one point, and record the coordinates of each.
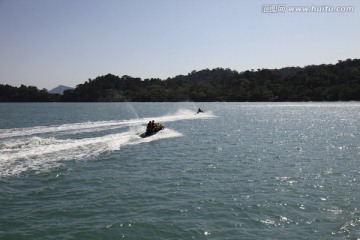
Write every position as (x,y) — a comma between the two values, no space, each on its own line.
(42,154)
(65,128)
(27,149)
(75,128)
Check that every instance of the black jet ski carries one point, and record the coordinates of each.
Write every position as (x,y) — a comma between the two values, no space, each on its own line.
(158,127)
(200,111)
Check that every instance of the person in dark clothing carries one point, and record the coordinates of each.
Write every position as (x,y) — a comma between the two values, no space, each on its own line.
(152,125)
(149,127)
(200,111)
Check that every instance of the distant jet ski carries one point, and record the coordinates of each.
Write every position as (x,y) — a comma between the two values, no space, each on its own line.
(199,111)
(149,132)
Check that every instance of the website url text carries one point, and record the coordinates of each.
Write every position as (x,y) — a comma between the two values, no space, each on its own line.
(283,8)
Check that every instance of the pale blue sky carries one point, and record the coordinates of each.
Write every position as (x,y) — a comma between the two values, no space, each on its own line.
(45,43)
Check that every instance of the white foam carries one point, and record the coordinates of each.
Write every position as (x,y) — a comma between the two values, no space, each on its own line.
(166,133)
(75,128)
(65,128)
(25,149)
(42,154)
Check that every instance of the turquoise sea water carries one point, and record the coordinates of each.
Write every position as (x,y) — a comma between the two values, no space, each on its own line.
(238,171)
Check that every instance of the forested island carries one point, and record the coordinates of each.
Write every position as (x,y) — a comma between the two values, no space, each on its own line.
(326,82)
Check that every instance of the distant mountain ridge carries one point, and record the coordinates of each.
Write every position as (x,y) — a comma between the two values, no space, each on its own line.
(60,89)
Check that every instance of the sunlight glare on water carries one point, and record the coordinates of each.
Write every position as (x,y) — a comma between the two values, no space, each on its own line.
(238,171)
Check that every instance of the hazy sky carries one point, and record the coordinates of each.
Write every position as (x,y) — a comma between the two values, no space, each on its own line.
(45,43)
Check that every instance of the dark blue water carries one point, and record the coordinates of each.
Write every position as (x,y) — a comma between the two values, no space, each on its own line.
(238,171)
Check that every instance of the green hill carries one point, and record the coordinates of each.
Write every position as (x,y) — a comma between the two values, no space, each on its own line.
(339,82)
(331,82)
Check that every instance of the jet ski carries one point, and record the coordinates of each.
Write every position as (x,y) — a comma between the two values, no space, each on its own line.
(158,127)
(199,111)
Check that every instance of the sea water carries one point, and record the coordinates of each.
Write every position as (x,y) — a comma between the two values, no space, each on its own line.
(237,171)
